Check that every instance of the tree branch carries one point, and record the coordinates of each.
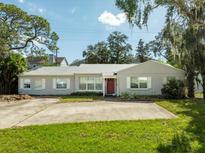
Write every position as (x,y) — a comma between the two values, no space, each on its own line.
(27,41)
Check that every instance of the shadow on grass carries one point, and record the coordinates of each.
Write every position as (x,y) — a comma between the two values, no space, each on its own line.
(192,138)
(180,143)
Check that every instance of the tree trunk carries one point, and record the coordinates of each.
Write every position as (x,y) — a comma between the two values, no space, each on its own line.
(190,84)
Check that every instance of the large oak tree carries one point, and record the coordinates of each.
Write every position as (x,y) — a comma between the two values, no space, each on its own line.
(22,33)
(188,14)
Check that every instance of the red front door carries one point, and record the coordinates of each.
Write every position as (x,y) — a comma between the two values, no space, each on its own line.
(110,86)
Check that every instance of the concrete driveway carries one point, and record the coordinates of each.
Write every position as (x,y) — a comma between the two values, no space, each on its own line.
(48,111)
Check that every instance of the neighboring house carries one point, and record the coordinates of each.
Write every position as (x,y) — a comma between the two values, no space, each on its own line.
(59,61)
(36,62)
(111,79)
(198,86)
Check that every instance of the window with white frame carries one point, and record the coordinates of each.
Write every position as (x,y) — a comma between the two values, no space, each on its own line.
(39,84)
(83,83)
(98,83)
(139,82)
(26,83)
(143,82)
(134,82)
(90,83)
(61,83)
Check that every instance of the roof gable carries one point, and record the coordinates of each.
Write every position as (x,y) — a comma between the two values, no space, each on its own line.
(154,66)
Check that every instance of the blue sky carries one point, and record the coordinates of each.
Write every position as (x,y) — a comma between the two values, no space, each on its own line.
(80,23)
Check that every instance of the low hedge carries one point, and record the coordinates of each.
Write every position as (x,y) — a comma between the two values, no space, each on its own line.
(87,94)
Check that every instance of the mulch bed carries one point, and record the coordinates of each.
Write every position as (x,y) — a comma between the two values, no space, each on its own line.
(11,98)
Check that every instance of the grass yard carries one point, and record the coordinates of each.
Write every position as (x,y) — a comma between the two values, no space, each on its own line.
(186,133)
(199,95)
(73,99)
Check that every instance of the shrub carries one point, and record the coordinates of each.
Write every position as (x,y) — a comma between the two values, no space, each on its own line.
(135,96)
(87,94)
(174,89)
(125,96)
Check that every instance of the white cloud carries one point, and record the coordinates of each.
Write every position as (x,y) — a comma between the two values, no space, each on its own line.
(73,10)
(21,1)
(35,8)
(110,19)
(40,10)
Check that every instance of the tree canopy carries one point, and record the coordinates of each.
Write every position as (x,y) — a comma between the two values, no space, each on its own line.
(22,32)
(97,53)
(119,48)
(10,67)
(142,52)
(116,50)
(185,26)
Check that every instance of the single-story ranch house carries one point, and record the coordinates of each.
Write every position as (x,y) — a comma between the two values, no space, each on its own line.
(110,79)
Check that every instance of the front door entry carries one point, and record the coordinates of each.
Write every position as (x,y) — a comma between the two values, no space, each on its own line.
(110,86)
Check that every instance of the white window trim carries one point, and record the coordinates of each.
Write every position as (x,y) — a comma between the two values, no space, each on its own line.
(60,89)
(140,89)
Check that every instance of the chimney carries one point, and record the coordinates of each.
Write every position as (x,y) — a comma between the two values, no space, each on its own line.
(51,59)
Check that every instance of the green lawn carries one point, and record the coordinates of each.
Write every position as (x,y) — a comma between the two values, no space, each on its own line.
(199,95)
(117,136)
(73,99)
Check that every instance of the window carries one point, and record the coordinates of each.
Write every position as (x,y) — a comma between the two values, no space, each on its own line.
(38,84)
(90,83)
(139,82)
(82,85)
(134,82)
(27,84)
(61,84)
(143,82)
(98,83)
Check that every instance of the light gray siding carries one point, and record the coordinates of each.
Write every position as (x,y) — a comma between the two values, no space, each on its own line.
(158,72)
(49,90)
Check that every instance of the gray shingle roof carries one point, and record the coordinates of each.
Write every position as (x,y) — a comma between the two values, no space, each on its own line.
(105,69)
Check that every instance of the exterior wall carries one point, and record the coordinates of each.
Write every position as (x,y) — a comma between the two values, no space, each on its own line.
(49,90)
(77,77)
(158,72)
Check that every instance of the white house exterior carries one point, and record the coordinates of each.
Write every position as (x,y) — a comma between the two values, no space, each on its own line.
(111,79)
